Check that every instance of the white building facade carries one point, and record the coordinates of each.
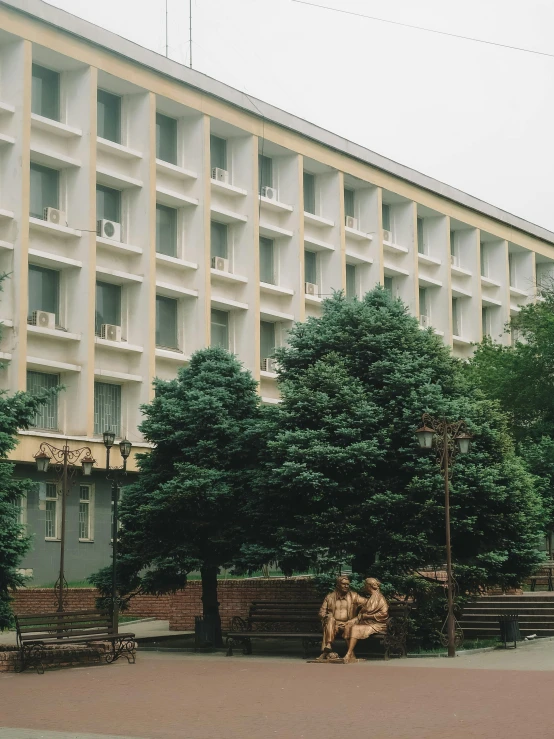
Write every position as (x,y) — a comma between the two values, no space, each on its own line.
(147,211)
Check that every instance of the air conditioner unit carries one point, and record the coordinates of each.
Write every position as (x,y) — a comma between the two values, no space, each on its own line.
(311,289)
(270,193)
(424,321)
(454,260)
(387,236)
(109,229)
(351,222)
(110,332)
(43,319)
(220,264)
(53,215)
(220,175)
(268,365)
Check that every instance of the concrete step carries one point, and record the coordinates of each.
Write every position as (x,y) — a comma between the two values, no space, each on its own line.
(471,632)
(484,612)
(523,624)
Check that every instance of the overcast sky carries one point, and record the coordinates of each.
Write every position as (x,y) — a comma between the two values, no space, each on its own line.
(477,117)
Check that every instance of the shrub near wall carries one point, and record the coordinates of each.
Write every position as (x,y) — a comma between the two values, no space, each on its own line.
(235,597)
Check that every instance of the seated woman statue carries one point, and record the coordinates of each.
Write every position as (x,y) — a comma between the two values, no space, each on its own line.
(371,619)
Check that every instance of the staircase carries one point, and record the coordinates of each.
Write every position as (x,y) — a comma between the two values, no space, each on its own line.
(535,611)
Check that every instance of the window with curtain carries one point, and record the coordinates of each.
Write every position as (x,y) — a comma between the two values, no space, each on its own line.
(486,321)
(388,284)
(349,202)
(166,230)
(51,516)
(351,290)
(385,214)
(456,317)
(218,152)
(453,250)
(265,171)
(484,260)
(108,116)
(45,189)
(107,408)
(267,339)
(423,302)
(44,290)
(166,322)
(267,266)
(85,513)
(309,193)
(108,305)
(45,92)
(46,416)
(421,237)
(310,266)
(218,239)
(108,204)
(220,328)
(512,269)
(166,138)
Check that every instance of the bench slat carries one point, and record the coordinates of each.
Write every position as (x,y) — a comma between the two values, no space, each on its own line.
(74,639)
(58,614)
(38,635)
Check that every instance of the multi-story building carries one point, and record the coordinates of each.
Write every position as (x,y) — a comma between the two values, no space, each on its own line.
(147,210)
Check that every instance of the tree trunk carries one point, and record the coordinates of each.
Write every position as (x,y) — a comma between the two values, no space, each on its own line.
(210,604)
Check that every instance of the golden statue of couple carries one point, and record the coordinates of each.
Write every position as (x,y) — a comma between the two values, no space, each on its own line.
(353,616)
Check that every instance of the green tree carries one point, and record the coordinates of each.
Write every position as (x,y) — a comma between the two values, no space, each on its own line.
(185,512)
(343,477)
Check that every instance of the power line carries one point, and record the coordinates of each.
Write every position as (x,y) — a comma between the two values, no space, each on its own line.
(421,28)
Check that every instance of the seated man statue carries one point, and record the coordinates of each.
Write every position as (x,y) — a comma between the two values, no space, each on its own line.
(371,619)
(339,607)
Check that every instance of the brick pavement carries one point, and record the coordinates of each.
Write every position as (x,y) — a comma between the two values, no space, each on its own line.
(187,696)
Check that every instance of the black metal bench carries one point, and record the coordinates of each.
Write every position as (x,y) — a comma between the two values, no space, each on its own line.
(39,635)
(543,576)
(300,620)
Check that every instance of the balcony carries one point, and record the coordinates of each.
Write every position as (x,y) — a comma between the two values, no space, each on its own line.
(53,229)
(55,127)
(174,170)
(317,221)
(118,150)
(274,205)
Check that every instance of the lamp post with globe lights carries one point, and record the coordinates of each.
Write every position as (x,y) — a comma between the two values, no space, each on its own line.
(65,464)
(114,475)
(447,439)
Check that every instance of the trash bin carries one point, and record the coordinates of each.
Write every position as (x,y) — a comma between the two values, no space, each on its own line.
(509,629)
(204,632)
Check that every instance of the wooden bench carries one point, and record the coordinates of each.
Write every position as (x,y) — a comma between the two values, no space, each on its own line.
(543,576)
(300,620)
(40,634)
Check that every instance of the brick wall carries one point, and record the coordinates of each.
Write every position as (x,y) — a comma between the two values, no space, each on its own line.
(179,609)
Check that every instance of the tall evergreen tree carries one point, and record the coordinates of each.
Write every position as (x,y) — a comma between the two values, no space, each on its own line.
(185,512)
(344,478)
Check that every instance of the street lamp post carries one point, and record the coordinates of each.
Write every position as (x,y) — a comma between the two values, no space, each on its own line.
(447,439)
(125,450)
(65,461)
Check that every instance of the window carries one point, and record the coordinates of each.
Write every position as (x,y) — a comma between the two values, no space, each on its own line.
(108,116)
(51,516)
(21,510)
(46,416)
(267,265)
(484,261)
(85,513)
(166,138)
(423,302)
(385,213)
(107,408)
(309,193)
(218,152)
(310,266)
(166,322)
(456,318)
(166,230)
(388,284)
(349,202)
(265,170)
(45,190)
(45,93)
(44,290)
(108,204)
(421,246)
(220,329)
(514,336)
(512,267)
(267,339)
(218,236)
(351,290)
(486,321)
(108,305)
